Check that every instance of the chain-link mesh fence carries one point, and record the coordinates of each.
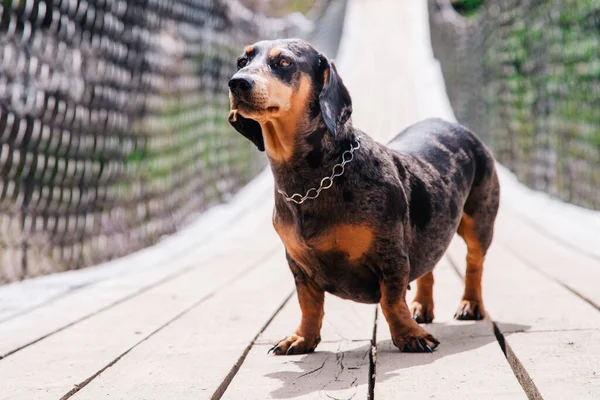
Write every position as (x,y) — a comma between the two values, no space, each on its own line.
(525,75)
(113,123)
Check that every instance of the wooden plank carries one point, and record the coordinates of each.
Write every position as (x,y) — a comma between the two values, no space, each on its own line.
(517,294)
(52,367)
(190,358)
(577,271)
(468,364)
(69,309)
(575,226)
(338,369)
(529,308)
(563,364)
(22,297)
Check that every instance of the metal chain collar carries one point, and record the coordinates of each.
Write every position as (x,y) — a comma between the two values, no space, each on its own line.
(327,182)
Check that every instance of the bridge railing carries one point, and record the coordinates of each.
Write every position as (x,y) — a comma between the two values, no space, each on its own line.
(525,75)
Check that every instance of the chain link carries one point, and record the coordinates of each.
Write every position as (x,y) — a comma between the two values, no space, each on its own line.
(327,182)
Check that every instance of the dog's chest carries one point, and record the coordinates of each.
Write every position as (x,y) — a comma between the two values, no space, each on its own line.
(335,259)
(350,241)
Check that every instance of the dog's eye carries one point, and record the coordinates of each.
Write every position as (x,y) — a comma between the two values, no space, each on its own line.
(284,62)
(242,62)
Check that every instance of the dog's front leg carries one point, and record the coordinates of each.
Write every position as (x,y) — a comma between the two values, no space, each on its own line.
(407,335)
(308,334)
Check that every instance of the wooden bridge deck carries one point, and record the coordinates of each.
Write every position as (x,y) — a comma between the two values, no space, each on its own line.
(193,317)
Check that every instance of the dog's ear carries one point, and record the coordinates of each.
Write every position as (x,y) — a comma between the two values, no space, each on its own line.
(249,128)
(334,99)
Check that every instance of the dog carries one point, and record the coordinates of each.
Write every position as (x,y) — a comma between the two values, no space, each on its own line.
(359,219)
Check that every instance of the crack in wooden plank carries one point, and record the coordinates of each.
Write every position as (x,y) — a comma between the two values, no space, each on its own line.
(314,370)
(339,360)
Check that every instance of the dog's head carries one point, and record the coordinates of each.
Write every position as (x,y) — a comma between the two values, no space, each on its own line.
(288,85)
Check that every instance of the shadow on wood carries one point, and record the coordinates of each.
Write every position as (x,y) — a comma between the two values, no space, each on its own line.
(315,374)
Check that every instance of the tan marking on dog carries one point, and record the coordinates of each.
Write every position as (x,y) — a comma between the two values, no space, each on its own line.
(294,245)
(475,256)
(249,49)
(308,334)
(425,289)
(280,127)
(311,301)
(396,312)
(422,305)
(274,52)
(353,240)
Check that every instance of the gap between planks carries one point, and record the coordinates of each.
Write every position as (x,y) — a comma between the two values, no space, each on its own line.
(209,295)
(549,276)
(373,359)
(552,335)
(548,256)
(519,370)
(340,368)
(54,317)
(236,367)
(468,364)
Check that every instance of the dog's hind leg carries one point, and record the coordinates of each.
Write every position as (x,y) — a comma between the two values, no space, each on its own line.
(422,305)
(471,305)
(477,229)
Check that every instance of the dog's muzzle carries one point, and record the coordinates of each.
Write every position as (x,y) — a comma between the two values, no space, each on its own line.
(241,85)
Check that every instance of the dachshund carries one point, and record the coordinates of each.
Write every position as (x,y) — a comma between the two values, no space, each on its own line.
(359,219)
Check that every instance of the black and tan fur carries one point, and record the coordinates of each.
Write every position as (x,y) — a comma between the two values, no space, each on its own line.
(387,220)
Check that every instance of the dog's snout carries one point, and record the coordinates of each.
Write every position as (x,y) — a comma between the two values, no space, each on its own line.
(241,84)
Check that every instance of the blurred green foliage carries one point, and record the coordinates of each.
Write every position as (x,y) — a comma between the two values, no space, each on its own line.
(467,7)
(525,75)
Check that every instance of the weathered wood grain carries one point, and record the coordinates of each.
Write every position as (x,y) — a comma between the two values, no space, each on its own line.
(338,369)
(52,367)
(530,309)
(190,358)
(579,272)
(468,364)
(573,226)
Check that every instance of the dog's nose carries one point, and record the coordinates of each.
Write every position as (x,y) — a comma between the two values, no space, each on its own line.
(241,84)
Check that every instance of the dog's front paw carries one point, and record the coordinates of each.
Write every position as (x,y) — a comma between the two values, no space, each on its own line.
(469,310)
(295,344)
(422,312)
(416,342)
